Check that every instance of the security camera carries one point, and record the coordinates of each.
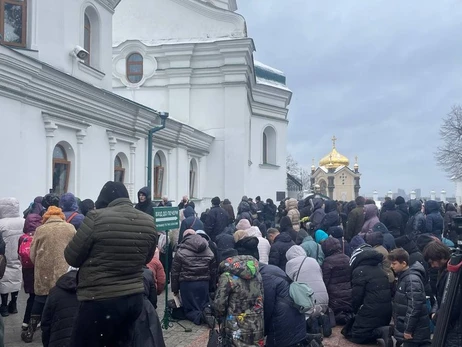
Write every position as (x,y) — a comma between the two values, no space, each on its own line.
(80,53)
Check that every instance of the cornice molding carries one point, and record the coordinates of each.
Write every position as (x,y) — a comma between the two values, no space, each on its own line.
(109,4)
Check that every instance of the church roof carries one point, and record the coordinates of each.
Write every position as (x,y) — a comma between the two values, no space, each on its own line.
(268,73)
(334,159)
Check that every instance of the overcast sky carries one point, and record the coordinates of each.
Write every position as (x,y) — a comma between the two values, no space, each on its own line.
(377,74)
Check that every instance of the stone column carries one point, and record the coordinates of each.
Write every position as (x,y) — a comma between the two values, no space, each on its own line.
(50,128)
(78,160)
(413,195)
(432,195)
(169,174)
(390,194)
(112,143)
(132,170)
(443,196)
(330,186)
(375,196)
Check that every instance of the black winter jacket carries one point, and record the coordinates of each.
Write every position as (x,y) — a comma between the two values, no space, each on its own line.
(332,217)
(403,210)
(60,311)
(371,293)
(355,222)
(216,221)
(336,273)
(285,226)
(416,223)
(248,246)
(392,218)
(410,312)
(194,261)
(284,325)
(318,213)
(434,220)
(190,222)
(147,206)
(278,250)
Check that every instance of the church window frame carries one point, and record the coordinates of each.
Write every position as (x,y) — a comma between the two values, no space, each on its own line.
(193,168)
(323,187)
(17,9)
(135,67)
(269,148)
(87,37)
(61,165)
(159,174)
(119,169)
(91,36)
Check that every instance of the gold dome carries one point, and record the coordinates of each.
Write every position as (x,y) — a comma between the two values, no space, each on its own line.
(334,159)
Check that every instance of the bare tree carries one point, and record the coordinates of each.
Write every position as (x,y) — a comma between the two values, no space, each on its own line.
(449,154)
(300,173)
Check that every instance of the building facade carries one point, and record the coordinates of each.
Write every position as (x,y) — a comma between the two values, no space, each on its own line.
(79,96)
(334,178)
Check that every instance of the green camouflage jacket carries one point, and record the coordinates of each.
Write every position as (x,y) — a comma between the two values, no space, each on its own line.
(239,301)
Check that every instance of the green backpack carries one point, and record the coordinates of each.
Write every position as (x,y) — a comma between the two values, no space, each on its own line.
(301,294)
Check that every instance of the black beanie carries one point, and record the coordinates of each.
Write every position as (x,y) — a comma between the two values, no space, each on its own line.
(216,201)
(399,200)
(111,191)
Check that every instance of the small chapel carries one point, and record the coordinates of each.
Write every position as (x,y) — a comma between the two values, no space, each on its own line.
(334,177)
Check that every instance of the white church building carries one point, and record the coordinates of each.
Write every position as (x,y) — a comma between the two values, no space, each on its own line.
(70,121)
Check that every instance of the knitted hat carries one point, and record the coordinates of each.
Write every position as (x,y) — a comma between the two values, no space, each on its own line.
(53,211)
(320,235)
(399,200)
(243,224)
(216,201)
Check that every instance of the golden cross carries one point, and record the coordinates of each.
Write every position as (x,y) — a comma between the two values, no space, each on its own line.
(333,141)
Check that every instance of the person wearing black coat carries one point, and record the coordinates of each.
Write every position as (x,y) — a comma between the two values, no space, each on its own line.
(217,220)
(434,221)
(190,222)
(336,273)
(145,203)
(269,213)
(416,223)
(449,215)
(60,311)
(410,312)
(246,245)
(331,218)
(388,239)
(228,207)
(391,218)
(281,242)
(318,213)
(284,324)
(371,298)
(306,209)
(224,243)
(403,210)
(243,212)
(285,226)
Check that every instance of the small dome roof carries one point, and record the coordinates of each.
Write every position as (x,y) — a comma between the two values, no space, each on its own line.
(334,159)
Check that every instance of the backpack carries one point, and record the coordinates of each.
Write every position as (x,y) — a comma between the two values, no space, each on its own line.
(301,294)
(25,242)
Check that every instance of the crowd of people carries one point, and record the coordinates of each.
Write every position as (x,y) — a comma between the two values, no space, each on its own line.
(266,275)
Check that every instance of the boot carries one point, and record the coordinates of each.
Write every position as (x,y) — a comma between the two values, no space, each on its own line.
(325,323)
(12,307)
(384,336)
(4,311)
(28,335)
(312,325)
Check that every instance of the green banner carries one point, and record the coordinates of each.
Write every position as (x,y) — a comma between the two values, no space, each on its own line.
(166,218)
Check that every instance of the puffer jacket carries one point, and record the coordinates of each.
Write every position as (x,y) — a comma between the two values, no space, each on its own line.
(111,248)
(403,210)
(47,253)
(336,273)
(332,217)
(318,213)
(228,207)
(370,292)
(263,244)
(194,261)
(278,250)
(60,311)
(410,314)
(247,246)
(32,222)
(448,219)
(434,221)
(239,298)
(416,223)
(355,222)
(11,229)
(68,204)
(313,249)
(284,325)
(388,239)
(310,273)
(391,218)
(293,213)
(243,212)
(370,219)
(285,226)
(190,222)
(215,222)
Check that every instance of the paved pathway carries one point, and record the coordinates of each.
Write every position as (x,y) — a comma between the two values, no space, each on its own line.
(174,336)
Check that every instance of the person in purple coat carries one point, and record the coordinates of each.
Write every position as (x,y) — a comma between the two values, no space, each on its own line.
(68,203)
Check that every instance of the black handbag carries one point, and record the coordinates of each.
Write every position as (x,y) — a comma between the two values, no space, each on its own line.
(217,337)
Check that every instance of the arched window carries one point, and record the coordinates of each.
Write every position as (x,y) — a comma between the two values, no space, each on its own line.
(87,38)
(323,187)
(119,170)
(61,170)
(135,67)
(193,178)
(269,146)
(158,176)
(13,22)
